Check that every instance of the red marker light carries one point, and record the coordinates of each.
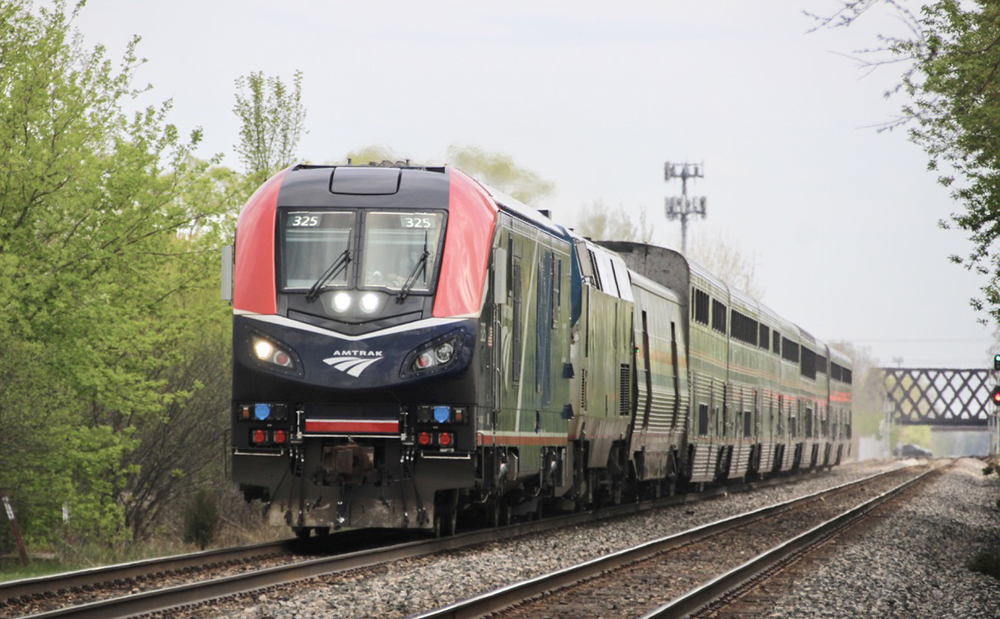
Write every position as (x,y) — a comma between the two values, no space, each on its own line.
(280,436)
(424,438)
(446,439)
(259,436)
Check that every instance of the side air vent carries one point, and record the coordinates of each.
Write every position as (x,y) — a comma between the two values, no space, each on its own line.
(624,388)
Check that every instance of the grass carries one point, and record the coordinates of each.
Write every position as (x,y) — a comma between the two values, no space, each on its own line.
(45,561)
(11,568)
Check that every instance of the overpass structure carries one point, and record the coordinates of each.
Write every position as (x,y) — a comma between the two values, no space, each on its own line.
(943,397)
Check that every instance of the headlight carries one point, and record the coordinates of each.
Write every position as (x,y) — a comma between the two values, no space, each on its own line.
(263,349)
(436,355)
(444,352)
(268,352)
(341,302)
(369,303)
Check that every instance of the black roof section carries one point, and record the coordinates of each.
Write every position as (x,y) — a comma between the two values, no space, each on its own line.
(365,186)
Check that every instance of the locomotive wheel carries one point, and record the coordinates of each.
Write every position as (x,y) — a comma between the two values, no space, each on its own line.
(445,523)
(493,513)
(498,513)
(301,532)
(322,531)
(445,513)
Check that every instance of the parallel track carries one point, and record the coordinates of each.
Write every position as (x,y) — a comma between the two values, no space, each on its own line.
(704,600)
(519,593)
(198,592)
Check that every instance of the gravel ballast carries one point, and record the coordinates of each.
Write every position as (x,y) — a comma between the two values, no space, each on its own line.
(408,587)
(913,563)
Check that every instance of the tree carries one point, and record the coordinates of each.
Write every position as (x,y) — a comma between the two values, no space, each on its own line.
(90,271)
(868,388)
(501,172)
(720,254)
(952,110)
(272,121)
(716,252)
(597,222)
(375,154)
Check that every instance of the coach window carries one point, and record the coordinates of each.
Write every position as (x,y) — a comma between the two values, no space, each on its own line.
(765,336)
(719,316)
(700,306)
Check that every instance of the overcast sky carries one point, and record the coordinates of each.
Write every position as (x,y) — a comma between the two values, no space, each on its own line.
(839,220)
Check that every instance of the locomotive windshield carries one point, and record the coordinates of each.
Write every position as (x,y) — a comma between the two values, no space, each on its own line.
(313,240)
(400,250)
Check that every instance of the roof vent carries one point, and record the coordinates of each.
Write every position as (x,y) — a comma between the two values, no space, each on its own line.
(365,181)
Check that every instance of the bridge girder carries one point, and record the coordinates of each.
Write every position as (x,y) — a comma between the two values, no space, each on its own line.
(939,397)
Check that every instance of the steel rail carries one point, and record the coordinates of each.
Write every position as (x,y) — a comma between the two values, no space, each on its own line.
(714,590)
(499,599)
(180,595)
(44,585)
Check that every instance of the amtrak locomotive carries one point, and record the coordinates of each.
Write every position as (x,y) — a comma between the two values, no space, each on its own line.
(412,348)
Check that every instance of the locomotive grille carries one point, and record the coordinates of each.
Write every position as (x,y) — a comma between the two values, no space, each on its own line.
(624,388)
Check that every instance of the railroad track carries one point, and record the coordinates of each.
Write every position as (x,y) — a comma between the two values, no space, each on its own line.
(684,567)
(120,590)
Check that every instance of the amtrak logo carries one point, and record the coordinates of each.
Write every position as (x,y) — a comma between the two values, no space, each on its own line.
(353,362)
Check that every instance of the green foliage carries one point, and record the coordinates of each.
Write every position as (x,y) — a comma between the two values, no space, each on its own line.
(372,154)
(501,172)
(201,520)
(953,111)
(955,100)
(271,122)
(598,222)
(107,239)
(916,435)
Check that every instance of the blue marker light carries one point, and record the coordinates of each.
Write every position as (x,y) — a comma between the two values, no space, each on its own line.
(262,411)
(442,414)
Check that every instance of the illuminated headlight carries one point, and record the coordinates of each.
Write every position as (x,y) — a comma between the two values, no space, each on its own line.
(369,303)
(263,349)
(341,301)
(268,352)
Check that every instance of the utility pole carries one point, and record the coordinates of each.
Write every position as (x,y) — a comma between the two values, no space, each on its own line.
(681,207)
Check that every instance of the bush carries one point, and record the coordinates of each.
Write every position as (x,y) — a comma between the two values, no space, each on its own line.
(201,520)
